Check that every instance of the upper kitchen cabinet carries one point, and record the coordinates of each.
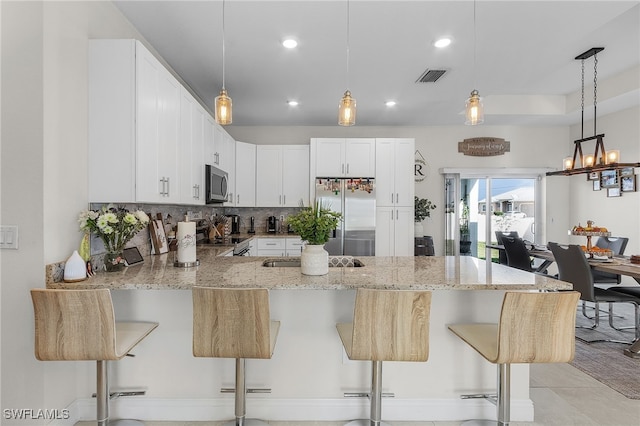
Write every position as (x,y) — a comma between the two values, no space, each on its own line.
(350,157)
(282,175)
(134,125)
(245,174)
(395,184)
(191,164)
(228,164)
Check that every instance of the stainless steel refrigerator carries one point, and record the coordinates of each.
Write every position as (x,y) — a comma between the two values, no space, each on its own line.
(356,200)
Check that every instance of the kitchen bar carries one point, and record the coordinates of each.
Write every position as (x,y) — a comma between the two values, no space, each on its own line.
(309,372)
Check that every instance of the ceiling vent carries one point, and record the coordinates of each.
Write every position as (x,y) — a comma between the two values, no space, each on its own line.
(430,76)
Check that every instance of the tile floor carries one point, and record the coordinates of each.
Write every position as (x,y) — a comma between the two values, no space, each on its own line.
(562,395)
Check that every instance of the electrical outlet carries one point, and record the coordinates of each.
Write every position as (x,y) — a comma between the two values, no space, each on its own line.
(9,237)
(195,215)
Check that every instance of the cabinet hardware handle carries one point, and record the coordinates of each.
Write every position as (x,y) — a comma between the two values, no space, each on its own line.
(392,198)
(168,186)
(343,168)
(279,199)
(397,197)
(284,199)
(347,168)
(237,198)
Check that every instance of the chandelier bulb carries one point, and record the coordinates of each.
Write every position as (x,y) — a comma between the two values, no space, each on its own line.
(347,110)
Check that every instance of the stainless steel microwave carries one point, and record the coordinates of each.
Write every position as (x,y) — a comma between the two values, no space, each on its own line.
(216,184)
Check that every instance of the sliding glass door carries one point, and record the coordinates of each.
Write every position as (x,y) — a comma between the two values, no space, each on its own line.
(480,204)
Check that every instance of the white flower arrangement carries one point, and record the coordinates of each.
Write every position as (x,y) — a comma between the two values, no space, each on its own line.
(114,226)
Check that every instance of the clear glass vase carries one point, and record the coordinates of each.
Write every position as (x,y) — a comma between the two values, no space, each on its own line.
(113,261)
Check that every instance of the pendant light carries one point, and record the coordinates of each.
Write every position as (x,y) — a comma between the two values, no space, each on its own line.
(223,107)
(347,106)
(474,111)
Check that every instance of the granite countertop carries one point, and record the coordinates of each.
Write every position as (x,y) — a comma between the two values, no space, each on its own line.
(422,272)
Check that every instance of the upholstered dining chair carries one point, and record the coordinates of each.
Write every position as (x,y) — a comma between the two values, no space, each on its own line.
(517,253)
(574,268)
(502,256)
(617,245)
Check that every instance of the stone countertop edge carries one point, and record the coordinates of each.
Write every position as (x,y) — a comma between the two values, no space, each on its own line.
(402,273)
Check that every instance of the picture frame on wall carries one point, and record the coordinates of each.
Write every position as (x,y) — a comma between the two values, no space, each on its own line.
(596,185)
(628,183)
(593,176)
(627,171)
(609,179)
(613,192)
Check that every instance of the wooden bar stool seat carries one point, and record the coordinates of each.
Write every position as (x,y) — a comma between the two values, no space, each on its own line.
(79,325)
(533,328)
(234,323)
(388,325)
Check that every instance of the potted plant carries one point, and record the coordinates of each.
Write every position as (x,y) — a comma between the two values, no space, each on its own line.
(422,211)
(465,242)
(314,224)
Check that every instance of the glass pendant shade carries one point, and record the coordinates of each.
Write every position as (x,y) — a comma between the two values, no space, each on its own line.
(474,110)
(224,112)
(347,110)
(613,156)
(567,163)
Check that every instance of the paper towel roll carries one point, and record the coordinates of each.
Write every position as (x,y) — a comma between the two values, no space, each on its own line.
(186,239)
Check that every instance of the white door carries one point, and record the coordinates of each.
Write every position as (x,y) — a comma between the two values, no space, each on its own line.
(404,229)
(385,173)
(168,135)
(385,245)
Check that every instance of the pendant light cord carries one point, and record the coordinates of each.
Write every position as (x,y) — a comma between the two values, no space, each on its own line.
(348,42)
(223,45)
(475,47)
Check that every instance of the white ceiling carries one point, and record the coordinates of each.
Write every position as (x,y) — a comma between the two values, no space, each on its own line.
(524,69)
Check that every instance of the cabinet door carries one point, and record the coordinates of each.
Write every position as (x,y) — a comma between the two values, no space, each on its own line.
(245,174)
(384,231)
(404,172)
(197,154)
(209,142)
(168,135)
(404,230)
(330,157)
(295,175)
(187,107)
(148,179)
(269,176)
(229,166)
(385,172)
(360,157)
(218,143)
(294,246)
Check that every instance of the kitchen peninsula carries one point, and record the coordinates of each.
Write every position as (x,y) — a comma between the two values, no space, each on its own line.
(309,372)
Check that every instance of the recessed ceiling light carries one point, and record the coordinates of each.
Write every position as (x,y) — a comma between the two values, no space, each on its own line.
(443,42)
(292,103)
(390,103)
(289,43)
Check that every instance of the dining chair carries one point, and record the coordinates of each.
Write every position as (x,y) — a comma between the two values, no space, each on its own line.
(617,246)
(574,268)
(517,254)
(502,257)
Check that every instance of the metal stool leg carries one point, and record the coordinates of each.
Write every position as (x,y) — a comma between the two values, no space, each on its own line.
(103,396)
(241,399)
(504,394)
(375,399)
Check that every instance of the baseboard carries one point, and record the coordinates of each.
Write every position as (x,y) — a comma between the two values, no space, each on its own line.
(393,409)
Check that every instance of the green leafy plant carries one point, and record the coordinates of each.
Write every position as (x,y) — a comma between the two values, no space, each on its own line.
(315,223)
(423,209)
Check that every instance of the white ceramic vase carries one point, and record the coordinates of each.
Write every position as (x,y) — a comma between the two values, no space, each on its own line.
(418,230)
(314,260)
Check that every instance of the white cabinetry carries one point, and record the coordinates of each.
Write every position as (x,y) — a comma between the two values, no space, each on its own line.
(191,165)
(335,157)
(245,174)
(282,175)
(293,246)
(394,231)
(134,122)
(395,189)
(395,182)
(228,164)
(271,247)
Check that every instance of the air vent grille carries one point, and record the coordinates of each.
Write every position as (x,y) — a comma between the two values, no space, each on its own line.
(430,76)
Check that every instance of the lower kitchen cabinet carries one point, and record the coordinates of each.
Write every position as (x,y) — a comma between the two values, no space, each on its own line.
(278,247)
(293,246)
(394,231)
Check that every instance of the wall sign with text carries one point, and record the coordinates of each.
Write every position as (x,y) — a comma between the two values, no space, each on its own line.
(484,147)
(421,168)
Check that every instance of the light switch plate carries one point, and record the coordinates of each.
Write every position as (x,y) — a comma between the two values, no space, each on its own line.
(9,237)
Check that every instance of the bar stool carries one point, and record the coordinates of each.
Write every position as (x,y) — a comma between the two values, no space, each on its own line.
(79,325)
(533,328)
(388,325)
(234,323)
